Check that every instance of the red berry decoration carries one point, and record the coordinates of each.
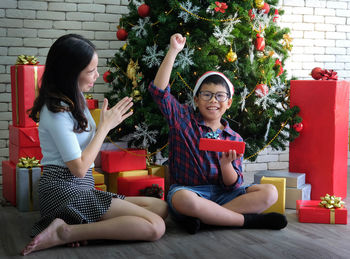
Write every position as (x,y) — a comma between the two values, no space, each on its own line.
(107,76)
(279,63)
(143,10)
(298,126)
(261,90)
(122,34)
(251,15)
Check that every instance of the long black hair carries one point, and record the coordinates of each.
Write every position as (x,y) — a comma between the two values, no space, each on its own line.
(67,57)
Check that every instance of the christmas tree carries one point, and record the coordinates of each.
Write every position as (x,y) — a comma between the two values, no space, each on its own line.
(241,39)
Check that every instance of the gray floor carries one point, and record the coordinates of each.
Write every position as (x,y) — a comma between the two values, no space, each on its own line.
(297,240)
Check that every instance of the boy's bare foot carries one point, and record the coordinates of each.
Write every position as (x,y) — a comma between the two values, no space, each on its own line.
(48,238)
(78,243)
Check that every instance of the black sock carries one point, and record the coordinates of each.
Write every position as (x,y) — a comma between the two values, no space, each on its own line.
(268,221)
(191,224)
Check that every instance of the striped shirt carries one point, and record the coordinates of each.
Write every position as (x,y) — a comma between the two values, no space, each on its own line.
(187,164)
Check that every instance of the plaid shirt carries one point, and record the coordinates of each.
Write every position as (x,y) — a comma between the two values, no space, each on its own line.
(187,164)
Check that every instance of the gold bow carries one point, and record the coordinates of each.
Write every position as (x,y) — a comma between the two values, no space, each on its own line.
(88,96)
(331,202)
(28,162)
(26,60)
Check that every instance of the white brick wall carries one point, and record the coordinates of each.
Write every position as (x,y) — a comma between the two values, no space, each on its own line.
(320,30)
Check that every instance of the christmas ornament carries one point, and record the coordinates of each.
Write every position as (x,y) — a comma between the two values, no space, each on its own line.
(153,191)
(136,95)
(266,8)
(107,77)
(251,15)
(132,70)
(143,10)
(219,6)
(260,43)
(122,34)
(298,127)
(279,63)
(324,74)
(276,16)
(261,90)
(286,42)
(124,46)
(259,3)
(231,56)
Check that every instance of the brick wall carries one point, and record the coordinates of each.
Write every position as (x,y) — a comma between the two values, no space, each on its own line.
(320,32)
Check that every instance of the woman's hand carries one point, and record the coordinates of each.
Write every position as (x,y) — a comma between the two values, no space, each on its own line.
(117,114)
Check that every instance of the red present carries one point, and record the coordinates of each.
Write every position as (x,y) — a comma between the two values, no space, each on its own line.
(312,212)
(136,186)
(9,181)
(113,161)
(321,150)
(25,83)
(220,145)
(16,152)
(92,103)
(24,137)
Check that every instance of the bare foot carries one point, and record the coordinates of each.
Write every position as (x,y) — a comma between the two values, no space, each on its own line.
(78,243)
(48,238)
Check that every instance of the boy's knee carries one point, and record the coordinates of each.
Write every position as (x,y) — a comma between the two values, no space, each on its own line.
(184,201)
(271,193)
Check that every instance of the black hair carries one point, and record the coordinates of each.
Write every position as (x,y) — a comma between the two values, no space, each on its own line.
(217,80)
(67,57)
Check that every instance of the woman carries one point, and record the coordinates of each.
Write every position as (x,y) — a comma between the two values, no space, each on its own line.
(70,143)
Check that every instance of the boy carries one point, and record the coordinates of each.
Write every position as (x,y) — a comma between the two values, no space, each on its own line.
(206,186)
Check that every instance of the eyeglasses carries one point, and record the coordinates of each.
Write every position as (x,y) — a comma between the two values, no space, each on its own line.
(219,96)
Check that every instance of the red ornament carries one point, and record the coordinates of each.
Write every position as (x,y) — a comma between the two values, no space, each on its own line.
(298,127)
(107,77)
(261,90)
(143,10)
(260,43)
(266,8)
(276,16)
(279,63)
(317,73)
(323,74)
(122,34)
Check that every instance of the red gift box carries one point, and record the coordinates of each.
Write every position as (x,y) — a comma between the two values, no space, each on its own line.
(25,83)
(321,150)
(24,137)
(113,161)
(312,212)
(16,152)
(133,185)
(220,145)
(92,103)
(9,181)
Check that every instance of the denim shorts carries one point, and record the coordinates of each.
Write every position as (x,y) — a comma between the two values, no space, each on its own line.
(210,192)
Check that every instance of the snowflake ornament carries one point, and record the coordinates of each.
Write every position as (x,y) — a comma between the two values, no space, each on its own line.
(187,10)
(148,136)
(137,3)
(223,37)
(140,27)
(244,94)
(264,100)
(184,58)
(260,20)
(152,57)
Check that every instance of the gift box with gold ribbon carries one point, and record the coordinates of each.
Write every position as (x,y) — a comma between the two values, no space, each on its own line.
(91,102)
(156,170)
(25,83)
(9,181)
(328,210)
(16,152)
(112,178)
(28,172)
(24,137)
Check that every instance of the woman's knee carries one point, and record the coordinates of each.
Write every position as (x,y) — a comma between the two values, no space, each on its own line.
(157,229)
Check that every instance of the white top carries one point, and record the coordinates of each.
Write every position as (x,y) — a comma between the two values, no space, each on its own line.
(58,142)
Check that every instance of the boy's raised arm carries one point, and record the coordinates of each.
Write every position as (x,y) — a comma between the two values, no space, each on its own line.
(177,43)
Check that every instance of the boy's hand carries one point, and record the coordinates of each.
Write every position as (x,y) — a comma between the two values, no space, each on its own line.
(228,157)
(177,42)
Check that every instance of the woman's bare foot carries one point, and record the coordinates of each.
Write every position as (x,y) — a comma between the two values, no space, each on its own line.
(48,238)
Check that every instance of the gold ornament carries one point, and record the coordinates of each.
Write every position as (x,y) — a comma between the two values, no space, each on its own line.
(259,3)
(286,42)
(136,95)
(124,46)
(132,70)
(231,56)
